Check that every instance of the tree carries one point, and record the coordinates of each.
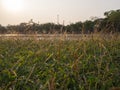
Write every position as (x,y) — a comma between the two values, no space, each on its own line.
(2,29)
(74,28)
(88,26)
(113,20)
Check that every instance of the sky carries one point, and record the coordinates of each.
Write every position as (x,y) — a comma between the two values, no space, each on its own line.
(16,11)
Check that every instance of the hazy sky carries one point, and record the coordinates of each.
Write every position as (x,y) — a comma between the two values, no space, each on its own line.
(47,10)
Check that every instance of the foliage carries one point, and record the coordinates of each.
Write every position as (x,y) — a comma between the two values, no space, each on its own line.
(88,26)
(113,18)
(74,28)
(111,23)
(92,64)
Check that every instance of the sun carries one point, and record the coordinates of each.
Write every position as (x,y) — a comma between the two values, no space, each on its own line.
(13,5)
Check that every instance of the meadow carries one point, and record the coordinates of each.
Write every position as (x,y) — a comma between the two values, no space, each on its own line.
(84,64)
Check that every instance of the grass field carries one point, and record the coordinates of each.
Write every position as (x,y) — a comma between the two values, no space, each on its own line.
(86,64)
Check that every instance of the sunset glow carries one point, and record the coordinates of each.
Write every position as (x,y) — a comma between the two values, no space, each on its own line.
(13,5)
(43,11)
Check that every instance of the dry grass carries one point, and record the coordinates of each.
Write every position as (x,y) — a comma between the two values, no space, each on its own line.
(88,63)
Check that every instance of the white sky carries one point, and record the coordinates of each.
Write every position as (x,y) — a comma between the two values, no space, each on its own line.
(47,10)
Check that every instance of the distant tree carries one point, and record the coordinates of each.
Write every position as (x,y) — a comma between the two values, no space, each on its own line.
(22,27)
(99,24)
(111,23)
(2,29)
(88,26)
(113,20)
(46,28)
(74,28)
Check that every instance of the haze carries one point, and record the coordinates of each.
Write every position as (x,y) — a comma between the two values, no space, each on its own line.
(44,11)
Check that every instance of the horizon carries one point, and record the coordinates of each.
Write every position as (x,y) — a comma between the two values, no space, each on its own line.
(14,12)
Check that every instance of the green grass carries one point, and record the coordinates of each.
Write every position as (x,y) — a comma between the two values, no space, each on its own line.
(92,64)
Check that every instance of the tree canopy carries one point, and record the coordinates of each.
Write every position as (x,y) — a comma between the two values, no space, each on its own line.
(111,23)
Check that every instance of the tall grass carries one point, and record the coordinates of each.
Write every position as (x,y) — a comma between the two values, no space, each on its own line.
(86,64)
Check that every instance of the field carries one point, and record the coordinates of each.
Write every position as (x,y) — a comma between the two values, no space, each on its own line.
(84,64)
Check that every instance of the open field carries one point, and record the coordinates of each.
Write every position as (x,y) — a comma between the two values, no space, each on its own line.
(47,36)
(59,36)
(86,63)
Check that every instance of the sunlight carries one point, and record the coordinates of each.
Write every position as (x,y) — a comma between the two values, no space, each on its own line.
(13,5)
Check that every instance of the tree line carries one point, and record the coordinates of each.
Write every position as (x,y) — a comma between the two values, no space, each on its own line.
(111,23)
